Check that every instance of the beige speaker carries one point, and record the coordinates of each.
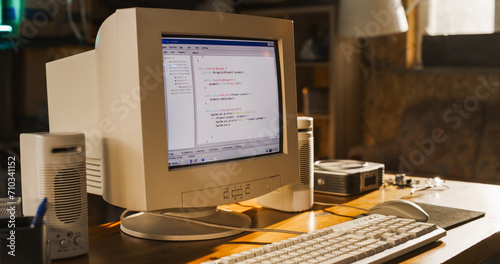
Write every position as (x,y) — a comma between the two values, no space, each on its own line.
(53,166)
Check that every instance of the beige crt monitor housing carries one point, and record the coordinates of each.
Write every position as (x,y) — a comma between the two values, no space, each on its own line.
(115,95)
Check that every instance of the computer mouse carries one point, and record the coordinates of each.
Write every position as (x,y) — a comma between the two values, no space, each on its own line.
(400,208)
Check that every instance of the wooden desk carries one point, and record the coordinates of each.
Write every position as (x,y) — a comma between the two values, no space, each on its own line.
(469,243)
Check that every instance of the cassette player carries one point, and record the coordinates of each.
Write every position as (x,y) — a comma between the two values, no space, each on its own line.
(347,177)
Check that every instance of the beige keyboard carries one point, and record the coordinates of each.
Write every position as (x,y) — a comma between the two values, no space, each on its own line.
(370,239)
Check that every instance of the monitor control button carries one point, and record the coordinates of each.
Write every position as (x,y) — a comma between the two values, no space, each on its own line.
(226,194)
(237,192)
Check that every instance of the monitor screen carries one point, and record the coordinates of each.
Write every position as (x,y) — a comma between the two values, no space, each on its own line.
(222,99)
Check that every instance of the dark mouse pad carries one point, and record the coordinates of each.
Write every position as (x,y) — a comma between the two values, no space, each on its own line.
(448,217)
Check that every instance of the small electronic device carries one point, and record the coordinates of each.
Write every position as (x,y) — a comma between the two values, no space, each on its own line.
(347,177)
(182,111)
(53,167)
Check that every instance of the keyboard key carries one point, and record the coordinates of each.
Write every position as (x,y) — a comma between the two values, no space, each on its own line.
(279,245)
(416,232)
(428,226)
(269,248)
(387,235)
(376,247)
(288,243)
(227,260)
(368,251)
(351,236)
(248,254)
(257,251)
(296,240)
(393,241)
(367,242)
(358,254)
(276,260)
(342,259)
(384,244)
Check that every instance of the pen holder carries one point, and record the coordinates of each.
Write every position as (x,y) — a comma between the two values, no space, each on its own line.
(21,243)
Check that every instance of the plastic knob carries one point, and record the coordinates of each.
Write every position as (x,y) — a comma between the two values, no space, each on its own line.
(63,243)
(78,240)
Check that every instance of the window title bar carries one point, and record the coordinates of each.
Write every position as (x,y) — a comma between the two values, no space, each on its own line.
(217,42)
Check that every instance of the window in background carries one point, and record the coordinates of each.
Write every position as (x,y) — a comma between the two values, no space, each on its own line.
(458,33)
(453,17)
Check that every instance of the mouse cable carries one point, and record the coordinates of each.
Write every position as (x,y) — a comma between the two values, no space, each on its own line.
(341,205)
(248,229)
(341,215)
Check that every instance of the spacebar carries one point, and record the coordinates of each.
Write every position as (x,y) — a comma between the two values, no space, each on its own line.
(342,259)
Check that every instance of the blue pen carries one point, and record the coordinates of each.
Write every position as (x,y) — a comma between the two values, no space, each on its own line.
(38,220)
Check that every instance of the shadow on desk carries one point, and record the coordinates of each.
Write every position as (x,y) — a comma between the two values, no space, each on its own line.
(495,259)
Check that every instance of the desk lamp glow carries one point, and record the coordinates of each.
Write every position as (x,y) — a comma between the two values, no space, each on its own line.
(182,111)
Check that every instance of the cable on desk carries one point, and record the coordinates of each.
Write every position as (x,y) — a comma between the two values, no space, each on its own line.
(333,213)
(218,226)
(341,205)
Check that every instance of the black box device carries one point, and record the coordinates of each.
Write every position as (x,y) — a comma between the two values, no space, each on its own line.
(347,177)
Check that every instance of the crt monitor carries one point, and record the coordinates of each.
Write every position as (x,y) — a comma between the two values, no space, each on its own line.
(182,111)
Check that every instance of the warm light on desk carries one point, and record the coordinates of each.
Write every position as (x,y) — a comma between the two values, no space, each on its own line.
(110,225)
